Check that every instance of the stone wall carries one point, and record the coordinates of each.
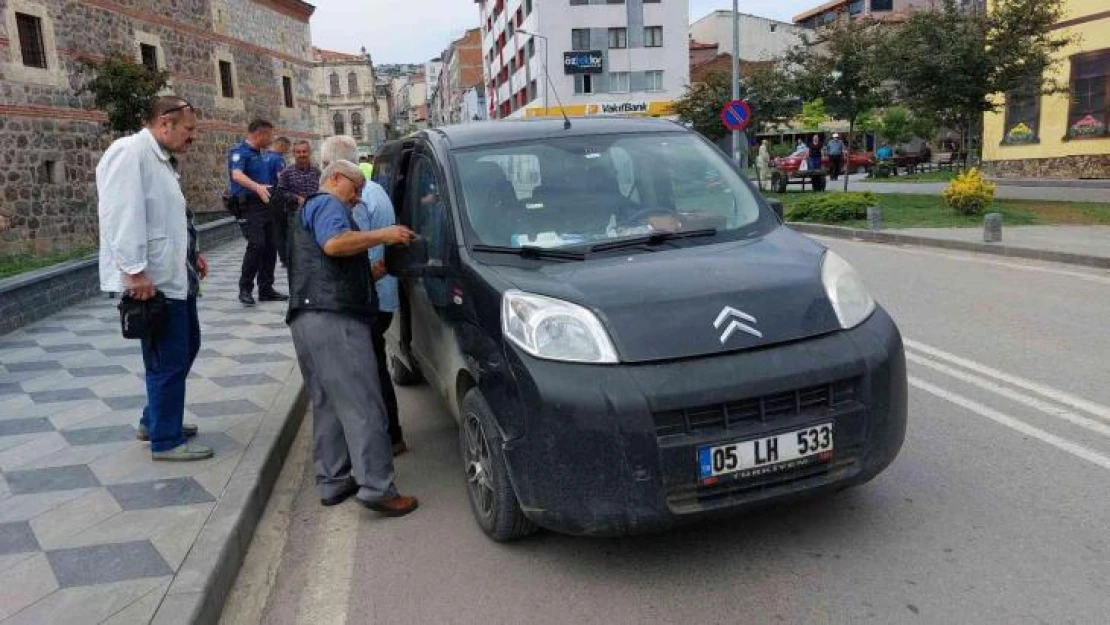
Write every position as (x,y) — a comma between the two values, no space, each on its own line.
(1093,166)
(38,294)
(43,120)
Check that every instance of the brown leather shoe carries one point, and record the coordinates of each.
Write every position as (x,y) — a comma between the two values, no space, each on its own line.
(398,505)
(399,448)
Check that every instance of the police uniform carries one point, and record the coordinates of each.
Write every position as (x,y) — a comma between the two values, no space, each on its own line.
(254,217)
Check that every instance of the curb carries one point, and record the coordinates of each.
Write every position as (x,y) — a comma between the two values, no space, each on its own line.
(870,236)
(199,589)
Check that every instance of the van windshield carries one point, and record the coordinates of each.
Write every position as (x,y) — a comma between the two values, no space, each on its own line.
(595,189)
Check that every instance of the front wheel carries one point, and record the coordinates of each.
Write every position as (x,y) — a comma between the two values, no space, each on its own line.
(489,490)
(862,169)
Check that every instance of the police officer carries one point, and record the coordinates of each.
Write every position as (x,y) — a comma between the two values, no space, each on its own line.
(252,175)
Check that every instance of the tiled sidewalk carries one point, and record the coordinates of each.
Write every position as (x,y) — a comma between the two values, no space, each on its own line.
(91,530)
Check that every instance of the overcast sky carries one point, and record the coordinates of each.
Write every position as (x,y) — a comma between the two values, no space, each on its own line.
(392,33)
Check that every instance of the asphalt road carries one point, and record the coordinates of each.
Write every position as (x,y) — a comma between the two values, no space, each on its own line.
(996,511)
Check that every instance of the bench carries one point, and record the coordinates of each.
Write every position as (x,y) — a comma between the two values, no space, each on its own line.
(816,179)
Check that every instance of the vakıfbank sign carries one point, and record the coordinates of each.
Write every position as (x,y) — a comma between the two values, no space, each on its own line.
(617,108)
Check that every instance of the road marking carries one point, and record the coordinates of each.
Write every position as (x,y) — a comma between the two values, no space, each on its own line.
(1062,444)
(330,572)
(1054,394)
(905,248)
(1032,402)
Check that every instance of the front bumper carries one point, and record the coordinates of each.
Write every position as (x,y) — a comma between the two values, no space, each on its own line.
(613,450)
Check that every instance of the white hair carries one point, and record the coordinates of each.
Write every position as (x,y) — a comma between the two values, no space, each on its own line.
(338,148)
(344,167)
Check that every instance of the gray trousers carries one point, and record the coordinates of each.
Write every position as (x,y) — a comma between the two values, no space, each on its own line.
(349,419)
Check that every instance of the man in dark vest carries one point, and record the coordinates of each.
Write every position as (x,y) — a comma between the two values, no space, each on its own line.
(331,315)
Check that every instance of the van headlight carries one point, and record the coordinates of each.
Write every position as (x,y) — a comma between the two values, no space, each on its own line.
(552,329)
(849,297)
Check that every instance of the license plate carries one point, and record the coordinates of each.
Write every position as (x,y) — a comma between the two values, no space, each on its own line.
(767,455)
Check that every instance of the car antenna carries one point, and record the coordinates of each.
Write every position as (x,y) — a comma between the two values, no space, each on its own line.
(558,100)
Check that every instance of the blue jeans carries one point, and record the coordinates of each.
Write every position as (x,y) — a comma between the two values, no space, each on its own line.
(168,360)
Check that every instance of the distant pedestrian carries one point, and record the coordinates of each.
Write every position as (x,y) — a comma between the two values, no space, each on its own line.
(836,156)
(279,203)
(331,316)
(251,177)
(815,148)
(763,163)
(148,246)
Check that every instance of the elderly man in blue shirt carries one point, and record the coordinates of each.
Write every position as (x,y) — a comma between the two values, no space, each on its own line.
(374,213)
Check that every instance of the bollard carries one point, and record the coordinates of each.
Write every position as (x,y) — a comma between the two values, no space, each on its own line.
(874,218)
(992,228)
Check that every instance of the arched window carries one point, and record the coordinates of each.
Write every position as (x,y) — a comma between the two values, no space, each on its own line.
(356,125)
(352,84)
(337,122)
(334,79)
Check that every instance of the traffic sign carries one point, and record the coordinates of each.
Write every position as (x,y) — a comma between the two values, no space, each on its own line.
(736,115)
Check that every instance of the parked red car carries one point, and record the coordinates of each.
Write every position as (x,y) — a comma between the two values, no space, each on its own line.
(858,162)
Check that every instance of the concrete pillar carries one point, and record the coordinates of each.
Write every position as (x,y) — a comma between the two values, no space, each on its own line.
(992,228)
(874,218)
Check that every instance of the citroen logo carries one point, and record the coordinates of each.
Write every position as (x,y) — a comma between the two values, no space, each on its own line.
(737,323)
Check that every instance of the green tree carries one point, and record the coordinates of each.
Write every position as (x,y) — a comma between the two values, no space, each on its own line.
(947,63)
(840,65)
(813,114)
(764,88)
(123,89)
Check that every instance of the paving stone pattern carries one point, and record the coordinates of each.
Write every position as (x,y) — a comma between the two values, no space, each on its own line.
(83,509)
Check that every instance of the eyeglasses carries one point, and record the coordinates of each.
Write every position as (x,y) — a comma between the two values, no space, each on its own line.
(174,109)
(358,184)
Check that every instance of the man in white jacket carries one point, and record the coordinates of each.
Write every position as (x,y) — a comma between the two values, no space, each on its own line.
(146,246)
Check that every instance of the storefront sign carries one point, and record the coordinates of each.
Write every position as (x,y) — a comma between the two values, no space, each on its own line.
(583,62)
(617,108)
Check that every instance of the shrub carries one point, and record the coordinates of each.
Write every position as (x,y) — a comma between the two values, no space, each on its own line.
(969,193)
(833,207)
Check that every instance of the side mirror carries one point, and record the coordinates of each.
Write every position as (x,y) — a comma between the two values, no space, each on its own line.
(776,206)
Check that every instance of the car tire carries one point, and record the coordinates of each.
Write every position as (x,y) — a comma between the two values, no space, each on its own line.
(488,488)
(402,375)
(862,169)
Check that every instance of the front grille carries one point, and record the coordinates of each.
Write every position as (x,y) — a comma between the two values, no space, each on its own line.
(809,400)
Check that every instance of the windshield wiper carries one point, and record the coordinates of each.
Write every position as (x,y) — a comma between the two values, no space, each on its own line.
(654,238)
(530,251)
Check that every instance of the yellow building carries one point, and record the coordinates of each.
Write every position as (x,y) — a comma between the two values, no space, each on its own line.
(1065,135)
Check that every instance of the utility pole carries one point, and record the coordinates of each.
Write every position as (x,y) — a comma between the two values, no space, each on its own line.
(740,158)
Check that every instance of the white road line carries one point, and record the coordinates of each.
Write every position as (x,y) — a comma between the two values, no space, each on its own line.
(1034,387)
(1028,400)
(1012,262)
(1062,444)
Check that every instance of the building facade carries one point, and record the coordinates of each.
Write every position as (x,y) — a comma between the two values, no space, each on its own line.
(602,57)
(233,59)
(761,38)
(462,71)
(882,10)
(1064,135)
(348,96)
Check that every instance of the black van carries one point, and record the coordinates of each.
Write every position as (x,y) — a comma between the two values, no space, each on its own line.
(627,334)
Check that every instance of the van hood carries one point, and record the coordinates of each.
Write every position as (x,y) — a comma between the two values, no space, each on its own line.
(695,301)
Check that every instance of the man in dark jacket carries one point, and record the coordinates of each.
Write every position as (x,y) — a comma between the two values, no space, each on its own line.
(331,315)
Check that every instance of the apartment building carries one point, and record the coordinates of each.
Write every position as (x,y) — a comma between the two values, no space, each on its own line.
(602,57)
(761,38)
(461,73)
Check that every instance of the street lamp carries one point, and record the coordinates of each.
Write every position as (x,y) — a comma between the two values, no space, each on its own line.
(547,77)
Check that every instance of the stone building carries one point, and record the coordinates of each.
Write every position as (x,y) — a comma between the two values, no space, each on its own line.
(233,59)
(350,100)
